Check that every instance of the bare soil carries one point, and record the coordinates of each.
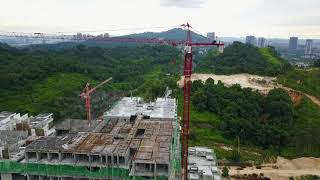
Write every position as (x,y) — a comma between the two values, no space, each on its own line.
(284,168)
(261,83)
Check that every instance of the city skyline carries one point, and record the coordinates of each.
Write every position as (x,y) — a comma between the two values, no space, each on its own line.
(261,18)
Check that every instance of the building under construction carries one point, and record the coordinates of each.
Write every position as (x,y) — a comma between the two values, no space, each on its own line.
(135,140)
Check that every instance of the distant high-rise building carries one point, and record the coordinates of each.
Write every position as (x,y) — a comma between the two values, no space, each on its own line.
(106,35)
(262,42)
(308,50)
(211,36)
(251,40)
(293,44)
(79,35)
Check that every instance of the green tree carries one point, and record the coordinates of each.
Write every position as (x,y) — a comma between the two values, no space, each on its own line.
(225,172)
(316,63)
(279,105)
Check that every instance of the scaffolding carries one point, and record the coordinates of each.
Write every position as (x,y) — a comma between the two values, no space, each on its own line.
(67,171)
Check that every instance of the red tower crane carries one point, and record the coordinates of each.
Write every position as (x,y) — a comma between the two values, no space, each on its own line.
(86,94)
(186,96)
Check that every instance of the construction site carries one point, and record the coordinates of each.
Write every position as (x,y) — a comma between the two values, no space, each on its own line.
(133,139)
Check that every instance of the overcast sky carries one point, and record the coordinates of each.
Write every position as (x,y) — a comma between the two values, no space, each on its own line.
(268,18)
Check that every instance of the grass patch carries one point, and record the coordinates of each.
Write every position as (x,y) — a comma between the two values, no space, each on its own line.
(269,57)
(306,81)
(203,126)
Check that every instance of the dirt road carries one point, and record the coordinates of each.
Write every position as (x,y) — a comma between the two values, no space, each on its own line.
(264,84)
(286,168)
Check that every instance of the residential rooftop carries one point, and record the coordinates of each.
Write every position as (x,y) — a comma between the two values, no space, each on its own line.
(202,164)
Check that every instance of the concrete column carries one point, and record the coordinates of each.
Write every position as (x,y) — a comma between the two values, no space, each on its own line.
(5,176)
(32,177)
(112,159)
(49,155)
(134,168)
(90,158)
(38,156)
(118,160)
(155,169)
(125,156)
(26,156)
(106,159)
(60,156)
(74,158)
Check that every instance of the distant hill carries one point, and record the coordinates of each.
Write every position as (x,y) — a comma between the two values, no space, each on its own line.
(173,34)
(244,58)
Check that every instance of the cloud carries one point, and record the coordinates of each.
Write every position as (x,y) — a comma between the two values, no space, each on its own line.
(300,21)
(183,3)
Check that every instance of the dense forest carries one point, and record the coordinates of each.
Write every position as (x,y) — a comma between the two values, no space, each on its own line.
(271,121)
(244,58)
(50,80)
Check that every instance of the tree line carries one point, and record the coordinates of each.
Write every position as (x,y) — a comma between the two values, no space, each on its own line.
(270,121)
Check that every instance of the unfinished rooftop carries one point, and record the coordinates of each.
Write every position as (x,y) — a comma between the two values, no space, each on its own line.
(40,121)
(71,126)
(143,141)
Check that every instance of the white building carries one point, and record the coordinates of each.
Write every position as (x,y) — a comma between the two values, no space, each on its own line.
(251,40)
(308,49)
(262,42)
(129,107)
(42,123)
(202,164)
(211,36)
(8,120)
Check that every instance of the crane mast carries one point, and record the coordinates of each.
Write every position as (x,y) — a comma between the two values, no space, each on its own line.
(86,94)
(186,96)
